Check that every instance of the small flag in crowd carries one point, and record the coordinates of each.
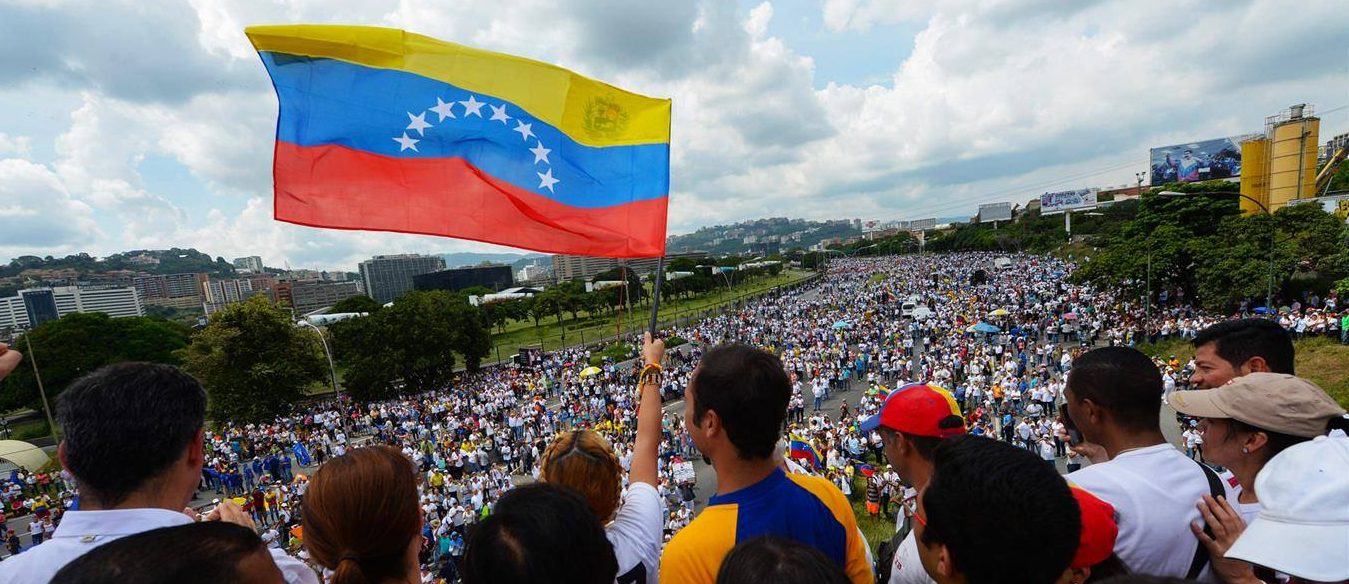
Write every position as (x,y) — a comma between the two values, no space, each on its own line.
(800,449)
(385,130)
(866,470)
(301,454)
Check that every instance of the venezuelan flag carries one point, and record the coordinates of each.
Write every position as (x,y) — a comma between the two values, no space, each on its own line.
(382,129)
(800,449)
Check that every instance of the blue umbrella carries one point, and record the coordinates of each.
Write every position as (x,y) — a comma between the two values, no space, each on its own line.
(983,327)
(1261,310)
(842,324)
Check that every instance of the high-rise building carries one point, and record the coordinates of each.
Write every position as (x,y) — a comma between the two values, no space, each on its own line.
(307,297)
(35,306)
(251,263)
(572,267)
(531,273)
(494,278)
(389,276)
(217,294)
(173,290)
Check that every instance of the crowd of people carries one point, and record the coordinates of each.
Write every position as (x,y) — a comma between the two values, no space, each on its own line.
(954,422)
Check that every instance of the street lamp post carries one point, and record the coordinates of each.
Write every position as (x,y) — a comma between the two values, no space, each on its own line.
(1269,276)
(332,369)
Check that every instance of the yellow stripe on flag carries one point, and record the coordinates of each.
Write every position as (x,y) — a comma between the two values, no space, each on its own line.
(589,111)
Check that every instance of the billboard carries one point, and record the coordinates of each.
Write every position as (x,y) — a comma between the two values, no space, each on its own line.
(921,224)
(1067,201)
(1198,161)
(995,212)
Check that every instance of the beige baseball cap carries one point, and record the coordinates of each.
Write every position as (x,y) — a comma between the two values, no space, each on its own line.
(1270,401)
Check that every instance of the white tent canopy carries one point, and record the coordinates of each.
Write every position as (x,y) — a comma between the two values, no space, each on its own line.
(25,455)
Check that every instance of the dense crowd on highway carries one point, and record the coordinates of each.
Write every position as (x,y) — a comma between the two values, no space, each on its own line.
(928,353)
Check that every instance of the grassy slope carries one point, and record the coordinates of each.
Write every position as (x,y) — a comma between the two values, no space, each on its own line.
(592,328)
(1321,360)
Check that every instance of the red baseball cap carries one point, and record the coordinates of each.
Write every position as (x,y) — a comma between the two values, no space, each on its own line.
(1099,529)
(918,409)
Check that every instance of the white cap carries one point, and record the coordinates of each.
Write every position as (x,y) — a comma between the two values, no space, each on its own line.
(1303,525)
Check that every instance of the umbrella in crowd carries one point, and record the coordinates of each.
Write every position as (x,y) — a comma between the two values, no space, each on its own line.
(1261,310)
(591,370)
(982,327)
(999,312)
(1070,316)
(842,324)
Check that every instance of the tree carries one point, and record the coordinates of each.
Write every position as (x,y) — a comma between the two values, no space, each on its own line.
(410,347)
(79,343)
(358,303)
(254,362)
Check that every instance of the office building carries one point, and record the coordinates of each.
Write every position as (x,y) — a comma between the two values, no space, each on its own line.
(389,276)
(494,278)
(35,306)
(217,294)
(573,267)
(532,273)
(173,290)
(251,263)
(307,297)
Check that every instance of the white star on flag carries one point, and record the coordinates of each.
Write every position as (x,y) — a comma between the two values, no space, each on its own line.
(524,129)
(499,113)
(546,180)
(540,153)
(473,107)
(418,123)
(444,110)
(405,143)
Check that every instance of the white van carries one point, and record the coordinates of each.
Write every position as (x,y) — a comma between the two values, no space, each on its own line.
(922,313)
(906,309)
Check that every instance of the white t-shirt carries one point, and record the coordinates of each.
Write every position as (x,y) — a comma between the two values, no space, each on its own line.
(1154,491)
(637,535)
(907,567)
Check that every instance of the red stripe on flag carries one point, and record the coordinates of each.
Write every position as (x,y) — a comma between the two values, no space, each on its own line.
(337,187)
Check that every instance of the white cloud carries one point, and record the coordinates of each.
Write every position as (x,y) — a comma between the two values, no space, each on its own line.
(37,214)
(17,145)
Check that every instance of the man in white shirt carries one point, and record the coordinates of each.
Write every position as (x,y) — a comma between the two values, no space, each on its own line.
(132,437)
(1114,397)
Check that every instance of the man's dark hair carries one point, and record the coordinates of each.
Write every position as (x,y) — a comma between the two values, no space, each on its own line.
(926,445)
(539,533)
(125,424)
(1122,380)
(1236,341)
(205,553)
(777,559)
(749,391)
(1026,518)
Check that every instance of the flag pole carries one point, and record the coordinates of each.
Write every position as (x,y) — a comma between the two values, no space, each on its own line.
(655,294)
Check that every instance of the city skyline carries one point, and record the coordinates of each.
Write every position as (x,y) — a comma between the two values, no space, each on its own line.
(893,110)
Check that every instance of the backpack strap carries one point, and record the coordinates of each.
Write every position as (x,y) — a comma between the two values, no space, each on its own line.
(1201,557)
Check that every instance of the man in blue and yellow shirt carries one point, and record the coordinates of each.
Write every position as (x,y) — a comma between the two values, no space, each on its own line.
(734,408)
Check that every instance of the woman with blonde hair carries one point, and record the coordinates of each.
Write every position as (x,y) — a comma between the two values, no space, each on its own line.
(585,462)
(361,517)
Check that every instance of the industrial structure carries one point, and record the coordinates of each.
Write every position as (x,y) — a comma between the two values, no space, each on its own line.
(1280,166)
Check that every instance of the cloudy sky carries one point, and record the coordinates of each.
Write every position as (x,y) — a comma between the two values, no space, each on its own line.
(127,125)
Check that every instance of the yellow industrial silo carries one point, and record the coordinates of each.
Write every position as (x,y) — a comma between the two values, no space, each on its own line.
(1293,139)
